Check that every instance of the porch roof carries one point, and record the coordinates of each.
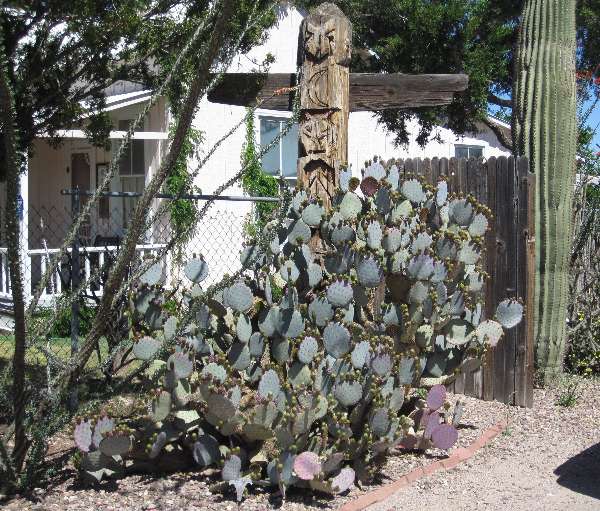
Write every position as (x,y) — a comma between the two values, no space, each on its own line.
(114,134)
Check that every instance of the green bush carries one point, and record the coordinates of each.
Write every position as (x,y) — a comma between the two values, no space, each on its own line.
(62,325)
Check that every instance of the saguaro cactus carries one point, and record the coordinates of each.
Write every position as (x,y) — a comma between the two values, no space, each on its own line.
(545,130)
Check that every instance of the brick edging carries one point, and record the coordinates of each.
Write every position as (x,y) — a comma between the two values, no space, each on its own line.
(458,456)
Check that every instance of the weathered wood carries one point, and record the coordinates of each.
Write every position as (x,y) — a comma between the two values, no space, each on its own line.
(524,363)
(505,186)
(512,263)
(490,266)
(368,92)
(324,58)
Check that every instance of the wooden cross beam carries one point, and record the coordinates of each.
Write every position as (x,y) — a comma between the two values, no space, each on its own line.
(329,92)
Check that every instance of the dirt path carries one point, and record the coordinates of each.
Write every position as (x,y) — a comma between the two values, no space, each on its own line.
(549,459)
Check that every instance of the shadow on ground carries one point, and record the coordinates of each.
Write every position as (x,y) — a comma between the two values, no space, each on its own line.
(581,473)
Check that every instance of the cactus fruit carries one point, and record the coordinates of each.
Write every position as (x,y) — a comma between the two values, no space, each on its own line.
(307,385)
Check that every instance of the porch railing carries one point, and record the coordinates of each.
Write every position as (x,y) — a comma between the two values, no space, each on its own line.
(91,258)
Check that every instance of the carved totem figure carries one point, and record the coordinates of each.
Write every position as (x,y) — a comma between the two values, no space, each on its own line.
(324,58)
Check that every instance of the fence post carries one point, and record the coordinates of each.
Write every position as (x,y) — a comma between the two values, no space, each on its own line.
(75,266)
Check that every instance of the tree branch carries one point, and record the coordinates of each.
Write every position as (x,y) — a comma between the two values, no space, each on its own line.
(506,103)
(500,135)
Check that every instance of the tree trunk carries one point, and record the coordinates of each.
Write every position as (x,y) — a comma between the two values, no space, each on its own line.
(545,130)
(11,164)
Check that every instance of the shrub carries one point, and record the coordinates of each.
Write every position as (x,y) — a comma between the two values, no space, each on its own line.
(61,327)
(310,390)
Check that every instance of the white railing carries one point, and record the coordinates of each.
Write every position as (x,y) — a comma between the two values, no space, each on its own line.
(4,275)
(90,259)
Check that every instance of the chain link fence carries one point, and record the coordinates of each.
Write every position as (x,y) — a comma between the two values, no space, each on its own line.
(218,237)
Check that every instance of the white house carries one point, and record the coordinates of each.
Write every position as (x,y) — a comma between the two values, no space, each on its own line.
(46,213)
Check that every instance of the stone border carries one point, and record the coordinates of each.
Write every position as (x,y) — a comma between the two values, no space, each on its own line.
(458,456)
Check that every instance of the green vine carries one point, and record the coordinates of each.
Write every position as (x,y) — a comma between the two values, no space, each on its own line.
(183,212)
(255,182)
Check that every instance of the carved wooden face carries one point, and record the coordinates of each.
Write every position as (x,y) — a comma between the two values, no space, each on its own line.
(317,134)
(319,40)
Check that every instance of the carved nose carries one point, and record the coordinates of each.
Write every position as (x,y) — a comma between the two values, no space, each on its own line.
(322,45)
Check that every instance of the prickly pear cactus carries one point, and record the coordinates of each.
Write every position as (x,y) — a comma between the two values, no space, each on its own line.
(296,373)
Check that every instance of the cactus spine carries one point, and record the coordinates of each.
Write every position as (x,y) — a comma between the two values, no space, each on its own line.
(545,130)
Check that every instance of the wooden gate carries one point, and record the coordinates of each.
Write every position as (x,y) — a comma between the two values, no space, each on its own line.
(507,188)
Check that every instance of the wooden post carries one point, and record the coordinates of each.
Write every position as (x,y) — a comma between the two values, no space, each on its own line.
(324,59)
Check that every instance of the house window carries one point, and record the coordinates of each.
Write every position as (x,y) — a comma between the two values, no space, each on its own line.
(131,172)
(468,151)
(281,159)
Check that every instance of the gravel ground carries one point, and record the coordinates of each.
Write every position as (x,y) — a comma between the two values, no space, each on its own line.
(515,471)
(548,459)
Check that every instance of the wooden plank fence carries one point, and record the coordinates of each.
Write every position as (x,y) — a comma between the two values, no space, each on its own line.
(507,188)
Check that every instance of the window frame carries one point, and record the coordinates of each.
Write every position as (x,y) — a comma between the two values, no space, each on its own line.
(468,147)
(131,151)
(281,119)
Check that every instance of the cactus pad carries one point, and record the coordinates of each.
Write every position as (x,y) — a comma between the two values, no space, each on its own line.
(239,297)
(509,313)
(369,272)
(343,481)
(269,384)
(307,465)
(348,393)
(83,435)
(436,397)
(307,350)
(422,241)
(369,186)
(478,225)
(214,371)
(340,293)
(350,206)
(420,267)
(381,363)
(461,211)
(336,339)
(152,275)
(161,406)
(374,235)
(320,311)
(313,214)
(206,451)
(146,348)
(444,436)
(412,189)
(196,270)
(231,468)
(490,331)
(115,445)
(375,170)
(290,323)
(289,272)
(361,354)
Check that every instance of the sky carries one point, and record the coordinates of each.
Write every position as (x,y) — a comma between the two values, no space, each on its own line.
(594,122)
